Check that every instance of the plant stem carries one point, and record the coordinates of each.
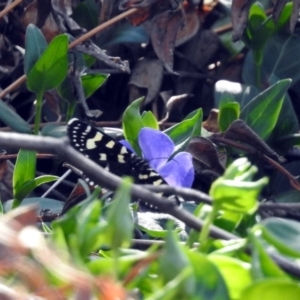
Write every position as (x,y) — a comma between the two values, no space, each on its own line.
(38,112)
(204,234)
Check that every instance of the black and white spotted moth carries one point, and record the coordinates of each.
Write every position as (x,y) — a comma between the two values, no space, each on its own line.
(110,154)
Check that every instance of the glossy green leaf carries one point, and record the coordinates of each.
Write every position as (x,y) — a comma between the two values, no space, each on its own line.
(149,120)
(51,68)
(262,264)
(12,119)
(272,289)
(265,106)
(120,222)
(132,123)
(35,44)
(227,114)
(186,129)
(282,234)
(91,82)
(24,172)
(236,273)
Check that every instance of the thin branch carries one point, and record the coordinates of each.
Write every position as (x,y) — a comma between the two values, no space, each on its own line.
(9,7)
(105,179)
(185,193)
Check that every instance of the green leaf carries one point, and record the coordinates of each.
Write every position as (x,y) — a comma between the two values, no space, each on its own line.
(265,106)
(272,289)
(35,44)
(227,114)
(51,68)
(132,123)
(91,82)
(280,59)
(171,253)
(89,229)
(149,120)
(12,119)
(186,129)
(282,234)
(209,282)
(30,185)
(234,192)
(24,172)
(236,273)
(262,264)
(120,222)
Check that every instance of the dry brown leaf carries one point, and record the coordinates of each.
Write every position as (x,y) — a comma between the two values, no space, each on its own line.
(239,17)
(147,74)
(164,28)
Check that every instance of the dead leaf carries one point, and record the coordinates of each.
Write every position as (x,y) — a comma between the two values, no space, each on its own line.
(164,28)
(211,123)
(205,155)
(147,74)
(239,17)
(6,173)
(240,131)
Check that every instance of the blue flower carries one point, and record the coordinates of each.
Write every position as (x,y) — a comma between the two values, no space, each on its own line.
(157,148)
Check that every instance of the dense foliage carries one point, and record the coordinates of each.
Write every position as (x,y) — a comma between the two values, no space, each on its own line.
(219,121)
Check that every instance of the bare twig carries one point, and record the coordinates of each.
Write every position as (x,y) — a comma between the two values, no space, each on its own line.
(9,7)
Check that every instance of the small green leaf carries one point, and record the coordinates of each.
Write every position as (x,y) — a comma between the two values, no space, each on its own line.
(227,114)
(91,82)
(234,191)
(132,123)
(149,120)
(51,68)
(120,222)
(188,128)
(265,106)
(12,119)
(35,44)
(24,170)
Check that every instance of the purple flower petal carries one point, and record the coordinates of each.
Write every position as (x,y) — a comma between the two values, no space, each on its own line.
(156,147)
(127,145)
(179,171)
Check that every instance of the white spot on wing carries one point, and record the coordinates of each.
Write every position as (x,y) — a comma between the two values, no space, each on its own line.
(110,144)
(103,156)
(91,143)
(121,159)
(157,182)
(124,150)
(141,176)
